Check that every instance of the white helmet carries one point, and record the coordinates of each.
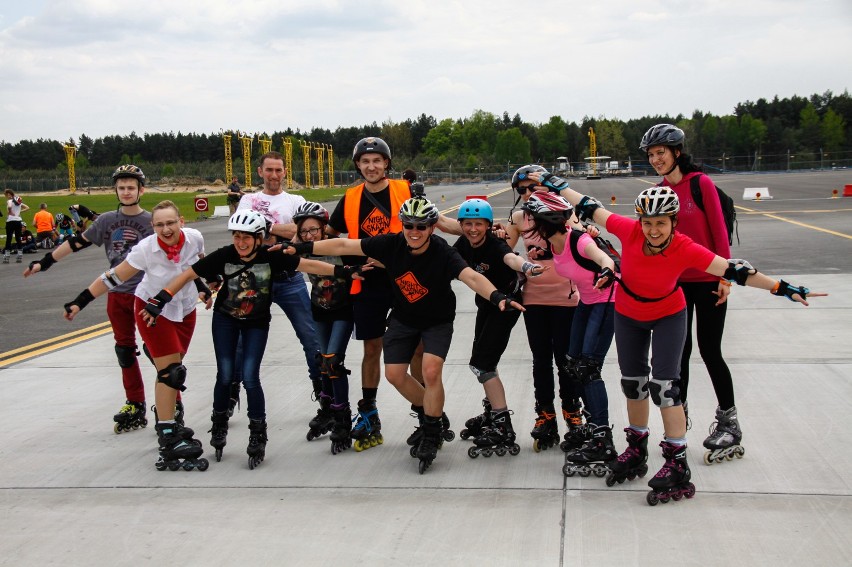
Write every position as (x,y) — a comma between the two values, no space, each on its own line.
(657,201)
(251,222)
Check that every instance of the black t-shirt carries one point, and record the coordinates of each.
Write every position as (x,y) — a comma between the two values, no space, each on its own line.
(371,222)
(246,293)
(422,294)
(488,261)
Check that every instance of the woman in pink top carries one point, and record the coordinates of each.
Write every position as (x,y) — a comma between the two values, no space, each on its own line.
(651,313)
(706,295)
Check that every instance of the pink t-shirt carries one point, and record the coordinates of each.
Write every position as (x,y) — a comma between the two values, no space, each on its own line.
(566,267)
(549,288)
(653,276)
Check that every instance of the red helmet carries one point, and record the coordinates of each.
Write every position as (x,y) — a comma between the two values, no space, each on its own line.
(548,207)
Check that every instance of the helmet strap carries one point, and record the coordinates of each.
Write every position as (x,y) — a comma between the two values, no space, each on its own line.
(662,246)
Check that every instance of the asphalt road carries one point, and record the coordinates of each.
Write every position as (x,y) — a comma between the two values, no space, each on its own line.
(802,230)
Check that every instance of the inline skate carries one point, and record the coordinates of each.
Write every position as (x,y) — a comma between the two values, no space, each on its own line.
(578,433)
(476,425)
(498,438)
(594,457)
(219,432)
(633,461)
(367,431)
(234,399)
(177,450)
(179,413)
(725,436)
(545,433)
(430,441)
(413,440)
(323,421)
(130,416)
(256,449)
(671,481)
(341,435)
(20,257)
(5,256)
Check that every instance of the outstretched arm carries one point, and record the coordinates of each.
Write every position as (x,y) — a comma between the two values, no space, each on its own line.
(587,208)
(102,284)
(329,247)
(480,284)
(741,272)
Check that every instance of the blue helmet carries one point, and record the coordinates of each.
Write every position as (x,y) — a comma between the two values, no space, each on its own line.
(476,209)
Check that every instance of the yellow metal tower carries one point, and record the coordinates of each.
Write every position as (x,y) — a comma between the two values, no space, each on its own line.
(306,157)
(265,143)
(70,155)
(229,161)
(593,152)
(320,151)
(288,161)
(246,141)
(330,156)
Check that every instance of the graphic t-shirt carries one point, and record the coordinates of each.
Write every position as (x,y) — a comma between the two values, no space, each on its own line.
(487,260)
(330,299)
(422,294)
(118,234)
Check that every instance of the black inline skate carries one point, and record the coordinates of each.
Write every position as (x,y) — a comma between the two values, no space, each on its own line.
(234,398)
(671,481)
(130,416)
(545,433)
(177,450)
(219,432)
(430,441)
(367,431)
(476,425)
(725,436)
(256,449)
(341,435)
(633,461)
(413,440)
(578,433)
(594,457)
(323,421)
(498,438)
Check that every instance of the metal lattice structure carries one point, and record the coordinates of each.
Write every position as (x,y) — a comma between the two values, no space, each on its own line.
(70,156)
(265,143)
(246,142)
(288,161)
(320,151)
(306,157)
(330,156)
(229,161)
(593,152)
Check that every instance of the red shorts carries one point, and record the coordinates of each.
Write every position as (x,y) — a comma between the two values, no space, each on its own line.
(166,337)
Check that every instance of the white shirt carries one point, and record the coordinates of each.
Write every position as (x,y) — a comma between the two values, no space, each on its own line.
(149,257)
(277,209)
(14,210)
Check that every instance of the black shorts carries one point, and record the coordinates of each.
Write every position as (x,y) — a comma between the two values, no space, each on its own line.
(400,341)
(370,311)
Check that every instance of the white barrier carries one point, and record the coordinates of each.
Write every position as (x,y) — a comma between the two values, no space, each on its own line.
(754,193)
(221,211)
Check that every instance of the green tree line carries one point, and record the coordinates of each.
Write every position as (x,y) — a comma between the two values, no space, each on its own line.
(809,128)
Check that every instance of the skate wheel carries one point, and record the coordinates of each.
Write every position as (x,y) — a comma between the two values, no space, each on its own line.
(584,471)
(188,466)
(252,463)
(413,452)
(380,440)
(117,428)
(739,452)
(652,498)
(373,441)
(610,480)
(218,455)
(500,452)
(690,490)
(515,449)
(144,422)
(202,464)
(472,452)
(358,446)
(311,435)
(487,453)
(448,435)
(707,460)
(677,496)
(160,466)
(174,465)
(600,471)
(464,434)
(568,470)
(643,470)
(536,446)
(423,466)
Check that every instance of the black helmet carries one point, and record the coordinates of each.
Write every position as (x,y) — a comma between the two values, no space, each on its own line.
(523,172)
(129,170)
(371,145)
(311,210)
(662,135)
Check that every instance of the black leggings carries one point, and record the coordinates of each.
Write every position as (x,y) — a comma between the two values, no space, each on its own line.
(13,229)
(549,333)
(709,329)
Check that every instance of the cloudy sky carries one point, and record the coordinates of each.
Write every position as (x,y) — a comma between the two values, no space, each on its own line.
(103,67)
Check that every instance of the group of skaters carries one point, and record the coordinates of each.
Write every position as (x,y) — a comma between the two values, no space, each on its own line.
(379,273)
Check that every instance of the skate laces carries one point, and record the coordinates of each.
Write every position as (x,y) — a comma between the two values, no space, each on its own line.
(127,408)
(573,418)
(544,417)
(362,421)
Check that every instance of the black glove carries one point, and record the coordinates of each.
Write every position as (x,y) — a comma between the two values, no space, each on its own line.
(46,262)
(554,183)
(497,296)
(787,290)
(80,301)
(606,273)
(202,288)
(155,304)
(302,248)
(346,272)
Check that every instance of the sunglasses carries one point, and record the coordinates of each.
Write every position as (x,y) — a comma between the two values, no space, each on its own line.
(420,227)
(523,190)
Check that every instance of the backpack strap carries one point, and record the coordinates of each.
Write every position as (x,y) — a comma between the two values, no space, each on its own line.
(574,244)
(695,186)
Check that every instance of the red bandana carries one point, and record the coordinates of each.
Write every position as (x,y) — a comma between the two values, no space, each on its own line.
(172,252)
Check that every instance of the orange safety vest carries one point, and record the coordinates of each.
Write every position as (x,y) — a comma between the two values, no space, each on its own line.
(399,193)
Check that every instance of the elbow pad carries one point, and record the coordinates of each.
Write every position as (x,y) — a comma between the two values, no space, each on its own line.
(738,271)
(586,208)
(111,279)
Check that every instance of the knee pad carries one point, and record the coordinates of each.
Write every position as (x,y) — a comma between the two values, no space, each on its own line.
(634,387)
(665,393)
(126,355)
(173,376)
(482,375)
(568,366)
(589,371)
(332,364)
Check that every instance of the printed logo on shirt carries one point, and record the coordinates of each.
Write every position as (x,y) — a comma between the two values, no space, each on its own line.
(410,287)
(481,268)
(375,223)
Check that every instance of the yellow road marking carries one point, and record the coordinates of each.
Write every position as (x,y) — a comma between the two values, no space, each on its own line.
(90,333)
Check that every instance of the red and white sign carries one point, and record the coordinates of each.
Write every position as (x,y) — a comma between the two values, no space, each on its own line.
(201,204)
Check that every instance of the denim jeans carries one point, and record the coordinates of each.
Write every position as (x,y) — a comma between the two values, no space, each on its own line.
(592,330)
(291,295)
(334,338)
(227,332)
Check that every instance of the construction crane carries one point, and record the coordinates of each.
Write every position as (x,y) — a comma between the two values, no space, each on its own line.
(288,160)
(70,156)
(593,155)
(229,162)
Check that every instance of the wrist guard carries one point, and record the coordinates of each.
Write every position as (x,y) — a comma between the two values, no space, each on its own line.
(528,267)
(738,271)
(46,262)
(346,272)
(787,290)
(554,183)
(155,304)
(81,301)
(586,208)
(202,288)
(497,296)
(302,248)
(609,274)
